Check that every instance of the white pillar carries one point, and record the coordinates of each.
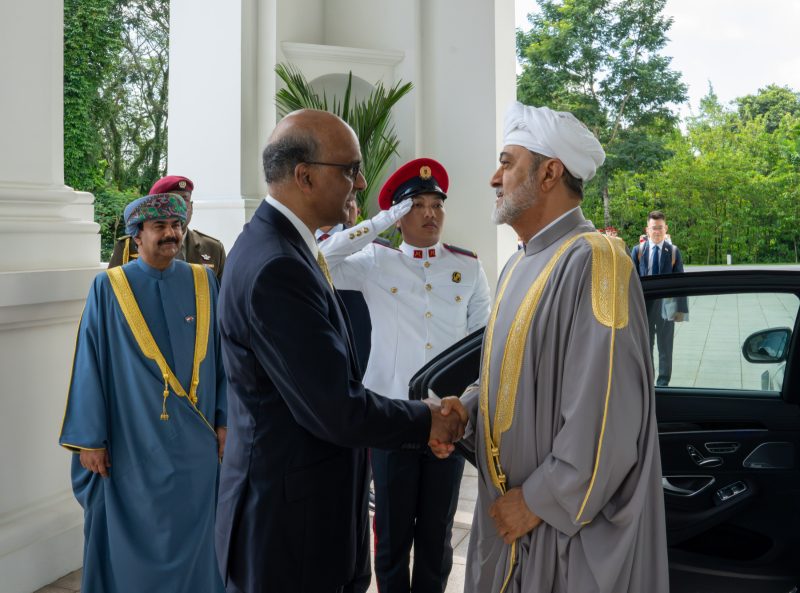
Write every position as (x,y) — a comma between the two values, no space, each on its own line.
(213,124)
(460,55)
(467,78)
(49,252)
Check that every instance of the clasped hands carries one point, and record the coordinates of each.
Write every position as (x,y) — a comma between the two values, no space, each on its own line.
(448,422)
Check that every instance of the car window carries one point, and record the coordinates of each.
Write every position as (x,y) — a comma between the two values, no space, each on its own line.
(697,341)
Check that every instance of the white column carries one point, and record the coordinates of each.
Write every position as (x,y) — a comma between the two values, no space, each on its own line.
(467,76)
(460,55)
(213,109)
(49,252)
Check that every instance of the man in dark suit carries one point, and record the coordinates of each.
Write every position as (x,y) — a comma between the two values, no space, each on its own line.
(656,256)
(292,511)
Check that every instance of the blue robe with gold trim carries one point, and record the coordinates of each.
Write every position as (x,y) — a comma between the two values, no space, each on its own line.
(149,526)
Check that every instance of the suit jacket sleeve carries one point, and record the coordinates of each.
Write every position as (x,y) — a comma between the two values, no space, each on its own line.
(116,256)
(220,263)
(683,304)
(635,255)
(221,409)
(307,357)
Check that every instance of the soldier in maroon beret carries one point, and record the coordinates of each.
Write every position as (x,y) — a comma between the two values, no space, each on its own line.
(197,247)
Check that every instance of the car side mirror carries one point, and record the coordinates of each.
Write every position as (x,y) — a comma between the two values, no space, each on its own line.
(767,345)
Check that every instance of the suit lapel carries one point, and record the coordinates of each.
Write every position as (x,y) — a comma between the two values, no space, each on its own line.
(272,216)
(644,261)
(665,265)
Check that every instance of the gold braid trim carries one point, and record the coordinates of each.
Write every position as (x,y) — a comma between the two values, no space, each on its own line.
(509,374)
(147,344)
(492,453)
(126,253)
(611,269)
(612,257)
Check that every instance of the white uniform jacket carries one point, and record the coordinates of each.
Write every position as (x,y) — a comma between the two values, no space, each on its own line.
(421,300)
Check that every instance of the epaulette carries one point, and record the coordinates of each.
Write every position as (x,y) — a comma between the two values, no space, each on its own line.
(123,237)
(460,250)
(202,234)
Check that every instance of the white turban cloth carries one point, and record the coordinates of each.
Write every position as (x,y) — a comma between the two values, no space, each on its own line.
(555,134)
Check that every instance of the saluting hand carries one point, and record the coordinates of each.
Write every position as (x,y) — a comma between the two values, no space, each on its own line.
(96,461)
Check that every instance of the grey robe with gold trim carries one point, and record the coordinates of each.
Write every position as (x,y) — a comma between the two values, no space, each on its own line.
(584,449)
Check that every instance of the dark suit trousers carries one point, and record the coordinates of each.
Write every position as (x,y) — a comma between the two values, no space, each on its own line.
(416,496)
(663,331)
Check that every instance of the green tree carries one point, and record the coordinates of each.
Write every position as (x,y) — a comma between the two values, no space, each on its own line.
(601,60)
(115,102)
(92,41)
(134,131)
(772,102)
(730,187)
(370,119)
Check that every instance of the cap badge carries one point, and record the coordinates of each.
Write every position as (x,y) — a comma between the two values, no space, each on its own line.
(456,277)
(182,184)
(425,172)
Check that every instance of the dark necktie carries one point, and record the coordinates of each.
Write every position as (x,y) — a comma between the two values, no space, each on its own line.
(656,262)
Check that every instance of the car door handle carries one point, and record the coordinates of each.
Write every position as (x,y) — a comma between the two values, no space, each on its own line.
(722,448)
(698,458)
(685,485)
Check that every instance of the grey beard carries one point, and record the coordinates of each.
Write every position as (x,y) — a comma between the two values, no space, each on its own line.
(509,210)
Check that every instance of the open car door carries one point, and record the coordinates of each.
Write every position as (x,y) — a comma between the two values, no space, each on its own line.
(729,426)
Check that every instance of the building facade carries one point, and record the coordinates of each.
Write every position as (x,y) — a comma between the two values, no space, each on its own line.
(459,54)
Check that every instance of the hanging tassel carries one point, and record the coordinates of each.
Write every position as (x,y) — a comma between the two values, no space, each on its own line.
(164,415)
(193,391)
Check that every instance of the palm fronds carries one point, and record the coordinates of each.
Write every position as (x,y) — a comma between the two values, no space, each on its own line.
(370,119)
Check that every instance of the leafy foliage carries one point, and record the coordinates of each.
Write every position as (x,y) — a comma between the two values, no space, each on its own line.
(115,102)
(601,60)
(731,187)
(92,40)
(370,119)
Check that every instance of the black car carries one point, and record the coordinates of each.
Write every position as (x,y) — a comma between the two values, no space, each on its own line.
(729,428)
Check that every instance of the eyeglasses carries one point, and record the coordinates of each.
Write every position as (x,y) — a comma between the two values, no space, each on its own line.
(351,169)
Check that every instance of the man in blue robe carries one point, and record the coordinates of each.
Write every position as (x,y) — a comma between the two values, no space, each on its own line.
(146,413)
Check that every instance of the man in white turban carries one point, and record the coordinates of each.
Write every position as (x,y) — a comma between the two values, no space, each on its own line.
(562,420)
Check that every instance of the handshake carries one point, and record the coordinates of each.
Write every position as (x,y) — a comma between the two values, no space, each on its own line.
(448,422)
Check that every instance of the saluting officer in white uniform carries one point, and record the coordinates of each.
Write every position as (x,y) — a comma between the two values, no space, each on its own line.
(422,298)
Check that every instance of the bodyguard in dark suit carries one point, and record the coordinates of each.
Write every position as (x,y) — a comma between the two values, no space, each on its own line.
(659,256)
(292,511)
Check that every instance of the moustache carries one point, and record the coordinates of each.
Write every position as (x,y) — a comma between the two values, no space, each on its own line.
(165,241)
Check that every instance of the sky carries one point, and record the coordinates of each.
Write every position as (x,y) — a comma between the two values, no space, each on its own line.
(738,45)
